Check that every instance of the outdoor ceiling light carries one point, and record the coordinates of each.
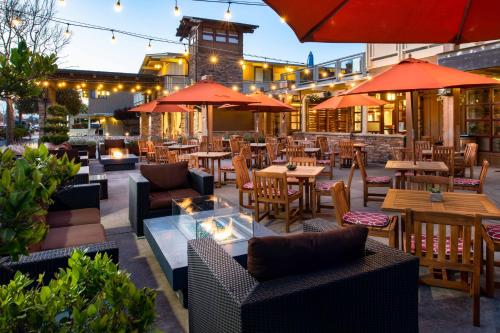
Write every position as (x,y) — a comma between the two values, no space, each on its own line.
(177,11)
(67,33)
(118,6)
(227,14)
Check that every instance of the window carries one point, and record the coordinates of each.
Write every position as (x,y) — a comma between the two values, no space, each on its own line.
(208,34)
(357,119)
(220,36)
(263,74)
(233,37)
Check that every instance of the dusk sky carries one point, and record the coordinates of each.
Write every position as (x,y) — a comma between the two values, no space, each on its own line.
(90,49)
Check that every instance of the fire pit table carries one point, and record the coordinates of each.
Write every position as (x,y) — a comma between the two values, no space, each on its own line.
(119,162)
(206,216)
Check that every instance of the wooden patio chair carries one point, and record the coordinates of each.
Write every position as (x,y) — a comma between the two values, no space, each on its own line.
(272,156)
(143,149)
(378,224)
(426,182)
(324,189)
(346,153)
(447,243)
(161,154)
(290,141)
(281,146)
(445,154)
(243,181)
(271,139)
(402,154)
(217,144)
(151,155)
(371,182)
(250,156)
(466,161)
(271,189)
(295,151)
(420,146)
(234,146)
(491,236)
(173,156)
(428,138)
(472,184)
(194,142)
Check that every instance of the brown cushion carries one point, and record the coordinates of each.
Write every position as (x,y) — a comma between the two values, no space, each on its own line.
(114,143)
(58,238)
(277,256)
(166,176)
(66,218)
(158,200)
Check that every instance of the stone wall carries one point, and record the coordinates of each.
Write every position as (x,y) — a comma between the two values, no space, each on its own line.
(379,147)
(156,125)
(144,125)
(227,69)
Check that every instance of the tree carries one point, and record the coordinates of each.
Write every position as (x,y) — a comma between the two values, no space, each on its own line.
(27,105)
(70,98)
(19,74)
(56,125)
(31,22)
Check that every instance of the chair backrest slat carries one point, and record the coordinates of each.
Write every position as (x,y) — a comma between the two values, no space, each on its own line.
(482,176)
(426,182)
(361,166)
(270,187)
(346,149)
(340,202)
(303,161)
(271,151)
(295,151)
(241,170)
(445,154)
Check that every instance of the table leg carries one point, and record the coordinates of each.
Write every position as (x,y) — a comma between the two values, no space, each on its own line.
(219,173)
(306,185)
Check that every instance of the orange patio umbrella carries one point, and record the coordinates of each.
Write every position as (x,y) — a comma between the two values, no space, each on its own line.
(207,93)
(391,21)
(413,74)
(155,107)
(347,101)
(263,103)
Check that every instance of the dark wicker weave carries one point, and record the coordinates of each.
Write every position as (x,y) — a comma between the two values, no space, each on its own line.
(49,262)
(138,198)
(376,293)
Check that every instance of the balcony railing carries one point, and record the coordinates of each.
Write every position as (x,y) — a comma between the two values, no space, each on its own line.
(333,71)
(251,86)
(174,82)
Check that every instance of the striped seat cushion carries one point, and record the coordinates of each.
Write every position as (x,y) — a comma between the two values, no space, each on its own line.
(248,186)
(435,245)
(325,185)
(323,162)
(493,231)
(227,168)
(378,180)
(466,181)
(366,218)
(278,161)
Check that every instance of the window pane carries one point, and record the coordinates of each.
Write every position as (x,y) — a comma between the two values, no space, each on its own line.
(221,36)
(496,128)
(477,96)
(233,37)
(495,145)
(484,143)
(496,95)
(496,111)
(208,34)
(478,128)
(478,112)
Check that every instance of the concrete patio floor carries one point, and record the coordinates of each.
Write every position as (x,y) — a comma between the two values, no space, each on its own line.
(440,309)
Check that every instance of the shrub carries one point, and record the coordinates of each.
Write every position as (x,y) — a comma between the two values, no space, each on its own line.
(56,125)
(88,296)
(26,187)
(69,98)
(20,132)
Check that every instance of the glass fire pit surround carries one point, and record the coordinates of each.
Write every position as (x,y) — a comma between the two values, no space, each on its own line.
(214,217)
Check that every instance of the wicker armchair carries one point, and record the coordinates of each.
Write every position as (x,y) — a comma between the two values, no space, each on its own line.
(375,293)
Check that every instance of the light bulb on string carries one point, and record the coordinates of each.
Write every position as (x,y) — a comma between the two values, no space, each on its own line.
(113,38)
(149,45)
(118,6)
(62,3)
(67,33)
(283,19)
(177,11)
(227,14)
(16,21)
(186,51)
(214,59)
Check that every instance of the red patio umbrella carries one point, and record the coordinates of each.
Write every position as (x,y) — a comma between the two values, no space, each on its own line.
(391,21)
(347,101)
(264,104)
(155,107)
(208,93)
(413,74)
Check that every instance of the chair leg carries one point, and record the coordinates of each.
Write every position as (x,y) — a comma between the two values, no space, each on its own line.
(490,272)
(476,314)
(287,218)
(365,195)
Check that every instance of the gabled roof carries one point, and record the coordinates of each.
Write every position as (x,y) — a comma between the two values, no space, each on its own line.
(187,22)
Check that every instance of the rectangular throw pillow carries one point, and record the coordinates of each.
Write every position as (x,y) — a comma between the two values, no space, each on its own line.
(277,256)
(166,177)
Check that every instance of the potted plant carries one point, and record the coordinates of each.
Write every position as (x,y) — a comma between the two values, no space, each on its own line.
(290,166)
(133,147)
(436,195)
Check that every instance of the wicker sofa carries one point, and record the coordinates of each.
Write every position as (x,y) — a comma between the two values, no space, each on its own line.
(74,222)
(376,293)
(148,199)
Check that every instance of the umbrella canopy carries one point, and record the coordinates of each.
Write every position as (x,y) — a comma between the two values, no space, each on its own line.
(390,21)
(347,101)
(264,104)
(412,74)
(206,92)
(155,107)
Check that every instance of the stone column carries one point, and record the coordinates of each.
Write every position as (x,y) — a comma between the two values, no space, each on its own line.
(144,125)
(156,131)
(364,119)
(451,119)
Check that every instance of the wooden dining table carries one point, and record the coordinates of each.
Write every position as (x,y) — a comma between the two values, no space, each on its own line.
(259,147)
(419,166)
(212,157)
(467,203)
(303,173)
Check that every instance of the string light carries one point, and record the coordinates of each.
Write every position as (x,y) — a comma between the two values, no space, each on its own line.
(180,61)
(113,38)
(235,87)
(214,59)
(282,20)
(186,51)
(67,33)
(62,3)
(120,86)
(118,6)
(157,88)
(138,87)
(132,90)
(177,11)
(293,86)
(253,87)
(84,85)
(306,71)
(149,45)
(227,14)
